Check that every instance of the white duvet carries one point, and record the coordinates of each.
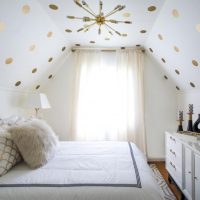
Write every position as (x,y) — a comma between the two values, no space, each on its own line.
(84,171)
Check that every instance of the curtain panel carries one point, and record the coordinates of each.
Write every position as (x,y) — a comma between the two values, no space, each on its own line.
(108,99)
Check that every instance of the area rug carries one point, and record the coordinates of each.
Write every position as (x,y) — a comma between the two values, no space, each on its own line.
(167,193)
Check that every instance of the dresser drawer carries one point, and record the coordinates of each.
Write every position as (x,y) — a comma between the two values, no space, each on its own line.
(175,172)
(174,144)
(175,157)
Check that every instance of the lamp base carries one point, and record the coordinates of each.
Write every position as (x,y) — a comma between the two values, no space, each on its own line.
(36,112)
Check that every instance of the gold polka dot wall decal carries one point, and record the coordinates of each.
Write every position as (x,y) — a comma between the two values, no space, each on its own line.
(163,60)
(151,8)
(177,72)
(192,84)
(160,36)
(195,63)
(143,31)
(175,13)
(176,49)
(177,88)
(49,34)
(9,60)
(126,14)
(151,50)
(18,83)
(34,70)
(53,7)
(26,9)
(198,27)
(50,59)
(32,47)
(63,48)
(37,87)
(2,26)
(68,30)
(165,77)
(92,42)
(50,76)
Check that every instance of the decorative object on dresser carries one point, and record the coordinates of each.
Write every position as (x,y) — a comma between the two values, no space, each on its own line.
(180,121)
(196,124)
(190,113)
(37,101)
(183,163)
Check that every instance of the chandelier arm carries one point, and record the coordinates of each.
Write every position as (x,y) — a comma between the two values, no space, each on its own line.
(117,32)
(86,27)
(116,21)
(100,7)
(88,11)
(108,30)
(111,12)
(99,31)
(92,12)
(116,9)
(81,18)
(86,5)
(90,25)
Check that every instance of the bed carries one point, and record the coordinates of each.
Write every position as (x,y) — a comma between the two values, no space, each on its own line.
(84,171)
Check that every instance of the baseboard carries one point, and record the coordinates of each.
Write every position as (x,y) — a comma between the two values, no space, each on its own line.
(151,159)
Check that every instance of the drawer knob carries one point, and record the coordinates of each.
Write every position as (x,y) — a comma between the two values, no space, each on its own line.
(189,172)
(173,152)
(173,165)
(173,139)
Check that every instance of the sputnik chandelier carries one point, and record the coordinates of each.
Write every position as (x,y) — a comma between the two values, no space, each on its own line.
(99,19)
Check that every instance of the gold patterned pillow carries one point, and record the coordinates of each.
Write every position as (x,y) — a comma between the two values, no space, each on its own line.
(9,154)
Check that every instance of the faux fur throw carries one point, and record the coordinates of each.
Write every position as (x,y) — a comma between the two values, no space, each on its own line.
(36,142)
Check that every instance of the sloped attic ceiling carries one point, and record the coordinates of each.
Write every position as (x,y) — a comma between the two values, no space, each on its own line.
(32,47)
(175,42)
(34,41)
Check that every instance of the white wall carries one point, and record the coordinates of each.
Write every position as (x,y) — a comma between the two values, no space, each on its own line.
(160,104)
(186,98)
(11,103)
(59,92)
(160,107)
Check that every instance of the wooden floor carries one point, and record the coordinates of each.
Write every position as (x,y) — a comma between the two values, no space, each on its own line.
(163,171)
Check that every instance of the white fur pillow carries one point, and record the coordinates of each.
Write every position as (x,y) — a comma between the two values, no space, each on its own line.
(36,142)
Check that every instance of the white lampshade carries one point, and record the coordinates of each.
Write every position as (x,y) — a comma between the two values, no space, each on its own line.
(37,100)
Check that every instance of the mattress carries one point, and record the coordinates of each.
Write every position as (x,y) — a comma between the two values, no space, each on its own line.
(84,171)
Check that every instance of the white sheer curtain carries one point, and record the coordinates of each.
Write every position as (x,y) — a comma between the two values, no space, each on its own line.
(108,96)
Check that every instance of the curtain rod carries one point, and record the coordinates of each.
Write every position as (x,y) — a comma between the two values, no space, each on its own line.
(105,49)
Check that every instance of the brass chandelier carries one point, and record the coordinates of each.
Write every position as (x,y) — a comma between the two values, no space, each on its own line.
(99,19)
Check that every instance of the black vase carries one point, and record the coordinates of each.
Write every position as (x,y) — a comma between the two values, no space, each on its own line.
(195,126)
(190,127)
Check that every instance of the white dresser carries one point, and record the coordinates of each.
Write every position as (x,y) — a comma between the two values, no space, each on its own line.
(183,163)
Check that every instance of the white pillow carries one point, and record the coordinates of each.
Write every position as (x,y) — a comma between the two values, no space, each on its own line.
(9,153)
(36,142)
(12,120)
